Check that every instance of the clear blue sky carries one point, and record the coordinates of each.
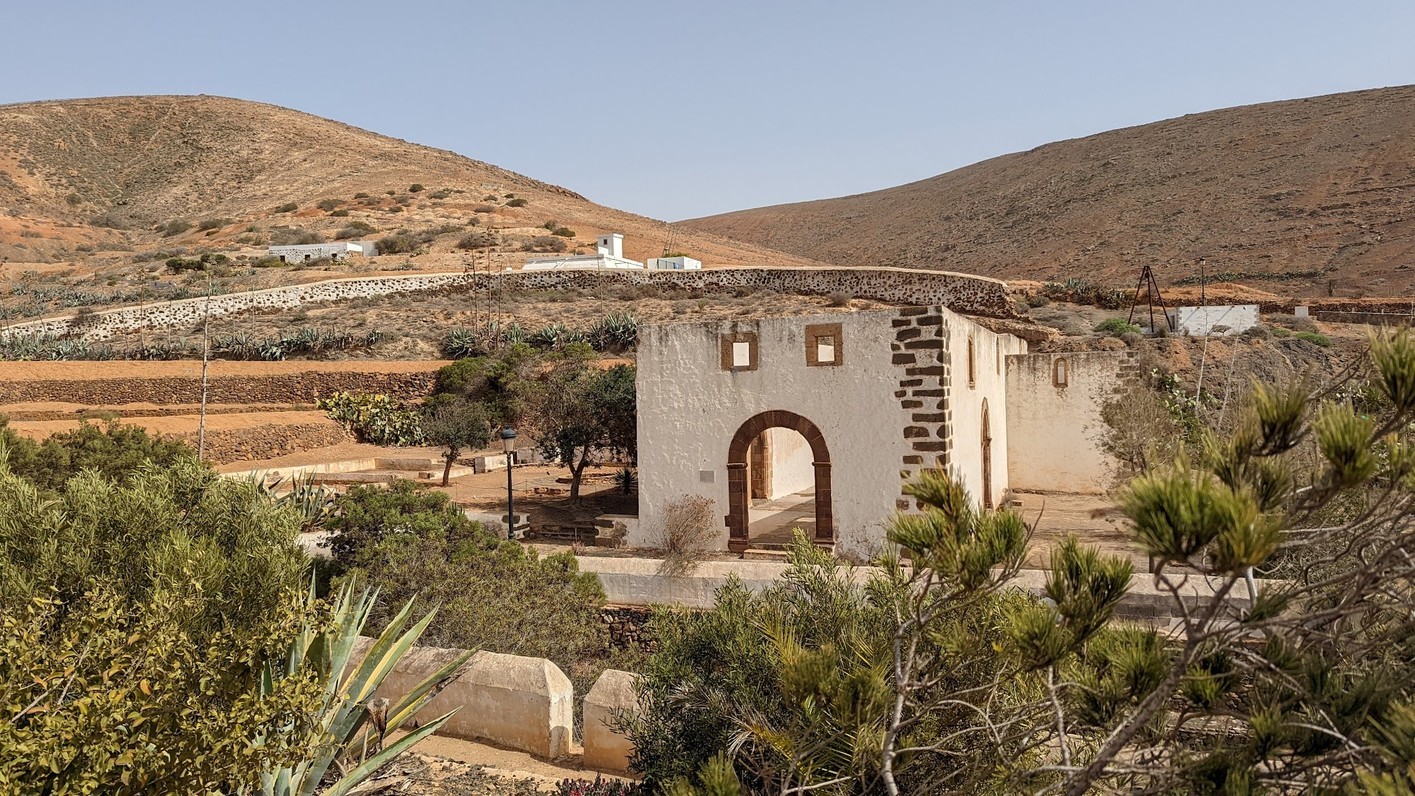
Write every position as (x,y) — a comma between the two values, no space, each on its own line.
(681,108)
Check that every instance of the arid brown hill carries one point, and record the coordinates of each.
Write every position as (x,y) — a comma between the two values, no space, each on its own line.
(78,176)
(1283,195)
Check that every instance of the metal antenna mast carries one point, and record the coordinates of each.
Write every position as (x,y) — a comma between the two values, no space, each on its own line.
(1151,288)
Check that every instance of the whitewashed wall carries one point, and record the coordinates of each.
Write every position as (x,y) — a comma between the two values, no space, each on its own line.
(689,410)
(792,466)
(990,386)
(1054,433)
(1200,321)
(884,412)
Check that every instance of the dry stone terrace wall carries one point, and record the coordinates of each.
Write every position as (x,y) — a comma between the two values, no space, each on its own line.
(163,386)
(974,295)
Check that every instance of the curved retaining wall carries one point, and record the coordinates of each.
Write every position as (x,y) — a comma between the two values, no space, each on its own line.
(974,295)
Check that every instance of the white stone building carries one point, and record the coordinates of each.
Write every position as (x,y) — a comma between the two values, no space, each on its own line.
(675,264)
(340,250)
(1218,320)
(817,422)
(609,254)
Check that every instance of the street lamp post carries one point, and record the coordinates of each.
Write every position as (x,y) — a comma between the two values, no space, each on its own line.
(508,443)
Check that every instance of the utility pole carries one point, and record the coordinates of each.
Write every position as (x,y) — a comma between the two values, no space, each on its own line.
(205,362)
(1203,294)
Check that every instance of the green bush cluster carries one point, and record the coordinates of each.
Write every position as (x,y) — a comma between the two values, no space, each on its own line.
(207,259)
(1082,291)
(492,594)
(1115,327)
(375,418)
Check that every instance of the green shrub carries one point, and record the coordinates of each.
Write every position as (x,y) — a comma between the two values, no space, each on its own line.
(547,243)
(398,243)
(1315,338)
(484,209)
(1116,327)
(374,418)
(136,619)
(288,207)
(361,195)
(517,202)
(115,450)
(341,213)
(354,229)
(213,223)
(477,240)
(415,187)
(441,194)
(293,236)
(417,543)
(109,221)
(563,232)
(328,204)
(174,227)
(393,209)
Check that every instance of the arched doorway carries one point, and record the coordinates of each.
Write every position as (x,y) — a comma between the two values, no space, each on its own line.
(739,488)
(987,457)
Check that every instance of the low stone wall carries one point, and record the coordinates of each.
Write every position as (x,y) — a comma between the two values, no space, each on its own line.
(510,700)
(267,441)
(606,749)
(282,387)
(975,295)
(637,581)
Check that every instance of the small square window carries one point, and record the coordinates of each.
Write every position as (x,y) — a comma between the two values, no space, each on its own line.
(824,345)
(741,354)
(739,351)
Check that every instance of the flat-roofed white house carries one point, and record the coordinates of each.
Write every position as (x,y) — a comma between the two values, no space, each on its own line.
(340,250)
(609,254)
(675,264)
(817,422)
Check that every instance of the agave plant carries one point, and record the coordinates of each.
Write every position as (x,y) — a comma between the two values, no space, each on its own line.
(617,331)
(549,336)
(461,343)
(312,501)
(514,334)
(352,722)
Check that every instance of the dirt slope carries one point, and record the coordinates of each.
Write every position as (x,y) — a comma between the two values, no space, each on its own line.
(79,178)
(1286,195)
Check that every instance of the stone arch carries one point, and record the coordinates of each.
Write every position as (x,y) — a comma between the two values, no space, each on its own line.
(737,486)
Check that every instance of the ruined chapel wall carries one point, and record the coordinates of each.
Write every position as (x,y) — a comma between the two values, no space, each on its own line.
(1054,432)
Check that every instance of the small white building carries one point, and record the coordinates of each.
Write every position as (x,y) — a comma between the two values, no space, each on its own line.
(675,264)
(1216,320)
(609,254)
(340,250)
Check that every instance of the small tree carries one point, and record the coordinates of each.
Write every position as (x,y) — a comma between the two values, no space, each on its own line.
(584,411)
(454,425)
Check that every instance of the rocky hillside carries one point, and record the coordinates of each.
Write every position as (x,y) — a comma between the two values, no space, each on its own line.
(1284,195)
(82,179)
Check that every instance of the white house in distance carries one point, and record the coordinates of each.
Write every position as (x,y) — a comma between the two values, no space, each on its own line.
(341,250)
(817,422)
(609,255)
(675,264)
